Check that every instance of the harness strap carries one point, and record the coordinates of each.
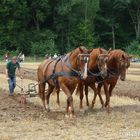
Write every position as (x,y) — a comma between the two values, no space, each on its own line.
(60,74)
(73,73)
(112,72)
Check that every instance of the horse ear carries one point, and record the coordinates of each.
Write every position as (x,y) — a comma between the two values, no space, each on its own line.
(100,50)
(81,49)
(130,56)
(110,49)
(123,57)
(89,51)
(81,44)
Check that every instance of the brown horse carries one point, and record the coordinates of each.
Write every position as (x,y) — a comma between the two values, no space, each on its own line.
(117,65)
(97,66)
(64,73)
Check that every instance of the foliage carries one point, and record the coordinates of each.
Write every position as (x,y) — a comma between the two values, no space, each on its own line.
(134,48)
(48,26)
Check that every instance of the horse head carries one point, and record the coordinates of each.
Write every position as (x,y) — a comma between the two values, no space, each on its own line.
(82,58)
(123,64)
(102,61)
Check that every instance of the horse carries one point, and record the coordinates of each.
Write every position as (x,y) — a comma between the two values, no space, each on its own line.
(21,57)
(97,69)
(63,72)
(118,63)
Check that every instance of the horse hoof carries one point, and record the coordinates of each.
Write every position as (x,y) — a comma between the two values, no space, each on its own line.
(48,110)
(108,110)
(103,106)
(91,107)
(70,109)
(72,116)
(66,116)
(81,107)
(106,104)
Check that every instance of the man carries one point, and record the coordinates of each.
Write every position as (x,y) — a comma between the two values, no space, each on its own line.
(10,74)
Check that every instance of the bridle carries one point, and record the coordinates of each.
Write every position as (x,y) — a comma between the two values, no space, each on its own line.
(69,65)
(97,71)
(113,72)
(85,60)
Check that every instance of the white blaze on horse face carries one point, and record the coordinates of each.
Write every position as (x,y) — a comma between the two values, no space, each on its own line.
(85,69)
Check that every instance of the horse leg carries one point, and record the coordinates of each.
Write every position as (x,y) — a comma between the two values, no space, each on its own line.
(111,88)
(99,94)
(50,90)
(81,95)
(58,101)
(41,92)
(107,103)
(70,108)
(95,94)
(86,94)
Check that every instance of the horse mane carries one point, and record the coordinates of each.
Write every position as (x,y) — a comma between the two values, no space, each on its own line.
(116,54)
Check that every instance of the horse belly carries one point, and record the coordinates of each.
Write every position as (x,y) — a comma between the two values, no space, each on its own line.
(71,81)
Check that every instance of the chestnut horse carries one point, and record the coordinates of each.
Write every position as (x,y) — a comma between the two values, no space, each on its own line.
(117,65)
(64,73)
(97,69)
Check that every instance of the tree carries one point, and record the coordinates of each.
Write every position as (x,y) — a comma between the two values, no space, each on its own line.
(133,7)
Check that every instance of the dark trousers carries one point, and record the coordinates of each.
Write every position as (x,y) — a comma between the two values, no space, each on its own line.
(12,84)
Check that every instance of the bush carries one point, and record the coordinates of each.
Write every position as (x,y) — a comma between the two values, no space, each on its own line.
(133,48)
(43,48)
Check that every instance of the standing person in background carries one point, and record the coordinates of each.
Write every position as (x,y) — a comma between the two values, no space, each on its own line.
(11,74)
(6,56)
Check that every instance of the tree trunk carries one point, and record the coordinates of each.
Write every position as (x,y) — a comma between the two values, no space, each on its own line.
(113,38)
(36,24)
(62,41)
(86,1)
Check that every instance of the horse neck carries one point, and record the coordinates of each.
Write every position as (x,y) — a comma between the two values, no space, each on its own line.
(112,63)
(73,59)
(93,63)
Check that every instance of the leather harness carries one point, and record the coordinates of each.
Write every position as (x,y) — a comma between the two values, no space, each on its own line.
(72,73)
